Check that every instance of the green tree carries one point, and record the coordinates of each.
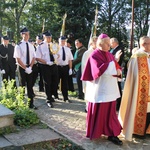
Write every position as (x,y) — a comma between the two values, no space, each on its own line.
(12,13)
(113,17)
(43,11)
(141,17)
(80,17)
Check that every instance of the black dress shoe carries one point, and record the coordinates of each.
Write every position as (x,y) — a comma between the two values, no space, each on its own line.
(49,104)
(41,90)
(115,140)
(33,95)
(85,110)
(57,99)
(81,97)
(67,100)
(52,100)
(33,107)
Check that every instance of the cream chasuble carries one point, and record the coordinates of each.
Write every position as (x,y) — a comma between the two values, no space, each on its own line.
(135,98)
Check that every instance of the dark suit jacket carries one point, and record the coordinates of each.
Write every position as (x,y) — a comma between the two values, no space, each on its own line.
(81,50)
(121,57)
(7,61)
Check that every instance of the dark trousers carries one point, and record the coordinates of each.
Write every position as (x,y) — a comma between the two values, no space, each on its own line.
(9,75)
(147,121)
(41,84)
(35,73)
(26,80)
(119,99)
(50,77)
(63,77)
(79,83)
(70,83)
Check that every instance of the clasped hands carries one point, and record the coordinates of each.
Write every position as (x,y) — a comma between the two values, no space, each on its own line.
(49,63)
(28,70)
(3,71)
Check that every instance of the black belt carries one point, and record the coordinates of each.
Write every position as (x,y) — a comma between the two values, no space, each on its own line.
(62,66)
(27,65)
(48,65)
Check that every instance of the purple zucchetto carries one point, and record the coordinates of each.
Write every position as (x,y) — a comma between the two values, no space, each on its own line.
(102,36)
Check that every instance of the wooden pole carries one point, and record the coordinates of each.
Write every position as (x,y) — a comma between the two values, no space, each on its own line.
(132,28)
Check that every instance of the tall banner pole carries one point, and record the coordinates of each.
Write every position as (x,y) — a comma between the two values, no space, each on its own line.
(148,33)
(132,28)
(95,22)
(43,27)
(62,33)
(94,26)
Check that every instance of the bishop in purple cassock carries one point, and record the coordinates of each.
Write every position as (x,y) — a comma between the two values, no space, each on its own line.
(101,73)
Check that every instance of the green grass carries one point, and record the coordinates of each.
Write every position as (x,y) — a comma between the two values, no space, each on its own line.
(73,94)
(59,144)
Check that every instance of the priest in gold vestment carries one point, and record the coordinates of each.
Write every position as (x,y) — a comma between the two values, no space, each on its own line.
(134,114)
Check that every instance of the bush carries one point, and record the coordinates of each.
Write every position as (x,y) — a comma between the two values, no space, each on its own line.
(14,99)
(25,117)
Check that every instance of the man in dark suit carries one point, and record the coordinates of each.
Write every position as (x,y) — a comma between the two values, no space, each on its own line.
(116,49)
(7,62)
(77,65)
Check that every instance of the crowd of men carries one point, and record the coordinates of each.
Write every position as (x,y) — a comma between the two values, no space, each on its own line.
(32,59)
(98,74)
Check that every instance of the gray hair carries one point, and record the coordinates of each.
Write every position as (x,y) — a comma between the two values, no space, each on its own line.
(114,40)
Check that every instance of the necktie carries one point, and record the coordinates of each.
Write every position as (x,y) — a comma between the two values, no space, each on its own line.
(51,55)
(27,56)
(63,54)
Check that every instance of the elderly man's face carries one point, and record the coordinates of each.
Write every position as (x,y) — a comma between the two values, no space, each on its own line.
(104,45)
(107,44)
(113,44)
(146,44)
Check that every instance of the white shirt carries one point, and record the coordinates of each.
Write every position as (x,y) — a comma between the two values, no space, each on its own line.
(105,88)
(21,51)
(68,55)
(83,64)
(43,52)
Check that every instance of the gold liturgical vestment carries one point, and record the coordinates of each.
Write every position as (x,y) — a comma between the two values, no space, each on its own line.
(136,96)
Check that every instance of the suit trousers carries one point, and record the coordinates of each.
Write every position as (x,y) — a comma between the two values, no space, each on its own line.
(35,73)
(10,74)
(63,75)
(79,83)
(26,80)
(41,84)
(70,83)
(119,99)
(50,77)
